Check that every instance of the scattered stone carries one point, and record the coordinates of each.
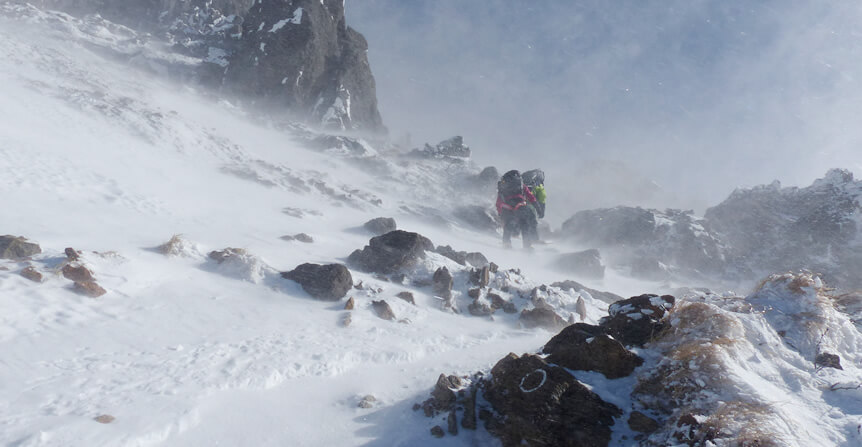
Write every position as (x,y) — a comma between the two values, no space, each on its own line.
(391,252)
(350,304)
(12,247)
(407,296)
(587,264)
(479,309)
(636,320)
(826,360)
(437,431)
(32,274)
(367,401)
(585,347)
(540,404)
(382,309)
(493,267)
(542,317)
(642,423)
(77,273)
(474,293)
(104,419)
(441,283)
(497,302)
(89,288)
(324,282)
(72,254)
(380,225)
(452,421)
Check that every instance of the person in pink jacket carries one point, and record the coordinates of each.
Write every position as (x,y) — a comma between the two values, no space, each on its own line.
(515,206)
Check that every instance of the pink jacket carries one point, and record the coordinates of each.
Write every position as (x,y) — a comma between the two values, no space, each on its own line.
(516,201)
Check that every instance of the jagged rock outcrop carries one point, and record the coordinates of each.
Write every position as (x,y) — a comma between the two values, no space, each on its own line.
(541,404)
(453,147)
(637,320)
(300,54)
(380,225)
(391,252)
(294,56)
(12,247)
(587,348)
(324,282)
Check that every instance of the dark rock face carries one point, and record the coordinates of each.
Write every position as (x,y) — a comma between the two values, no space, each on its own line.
(585,347)
(324,282)
(540,404)
(478,217)
(826,360)
(636,320)
(542,317)
(300,54)
(380,225)
(12,247)
(407,296)
(587,263)
(391,252)
(642,423)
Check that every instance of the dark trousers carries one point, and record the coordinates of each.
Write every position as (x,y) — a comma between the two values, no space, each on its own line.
(523,221)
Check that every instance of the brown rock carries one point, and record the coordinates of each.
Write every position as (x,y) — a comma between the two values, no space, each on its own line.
(12,247)
(382,309)
(350,304)
(437,431)
(479,309)
(72,254)
(104,419)
(442,283)
(586,347)
(77,273)
(474,293)
(497,302)
(32,274)
(89,288)
(367,401)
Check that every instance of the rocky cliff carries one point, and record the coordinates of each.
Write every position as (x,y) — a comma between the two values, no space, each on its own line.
(297,56)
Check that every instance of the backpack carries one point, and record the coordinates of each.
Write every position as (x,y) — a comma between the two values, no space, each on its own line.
(510,184)
(533,178)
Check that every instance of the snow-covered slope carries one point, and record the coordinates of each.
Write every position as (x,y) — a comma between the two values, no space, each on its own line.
(100,152)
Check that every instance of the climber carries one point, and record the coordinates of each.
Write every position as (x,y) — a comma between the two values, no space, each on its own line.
(535,180)
(515,206)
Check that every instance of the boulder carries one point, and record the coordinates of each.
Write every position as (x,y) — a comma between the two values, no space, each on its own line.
(479,309)
(540,404)
(481,276)
(587,264)
(382,310)
(72,254)
(12,247)
(477,259)
(478,217)
(391,252)
(77,273)
(497,302)
(437,431)
(32,274)
(453,147)
(542,317)
(380,225)
(458,256)
(585,347)
(324,282)
(637,320)
(350,304)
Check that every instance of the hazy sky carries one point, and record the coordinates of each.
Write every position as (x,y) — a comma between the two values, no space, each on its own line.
(699,96)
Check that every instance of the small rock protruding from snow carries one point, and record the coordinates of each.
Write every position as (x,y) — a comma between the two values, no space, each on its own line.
(104,419)
(350,304)
(324,282)
(827,360)
(77,273)
(178,245)
(367,401)
(542,317)
(437,431)
(587,348)
(407,296)
(383,310)
(72,254)
(581,308)
(636,320)
(391,252)
(17,247)
(31,273)
(89,288)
